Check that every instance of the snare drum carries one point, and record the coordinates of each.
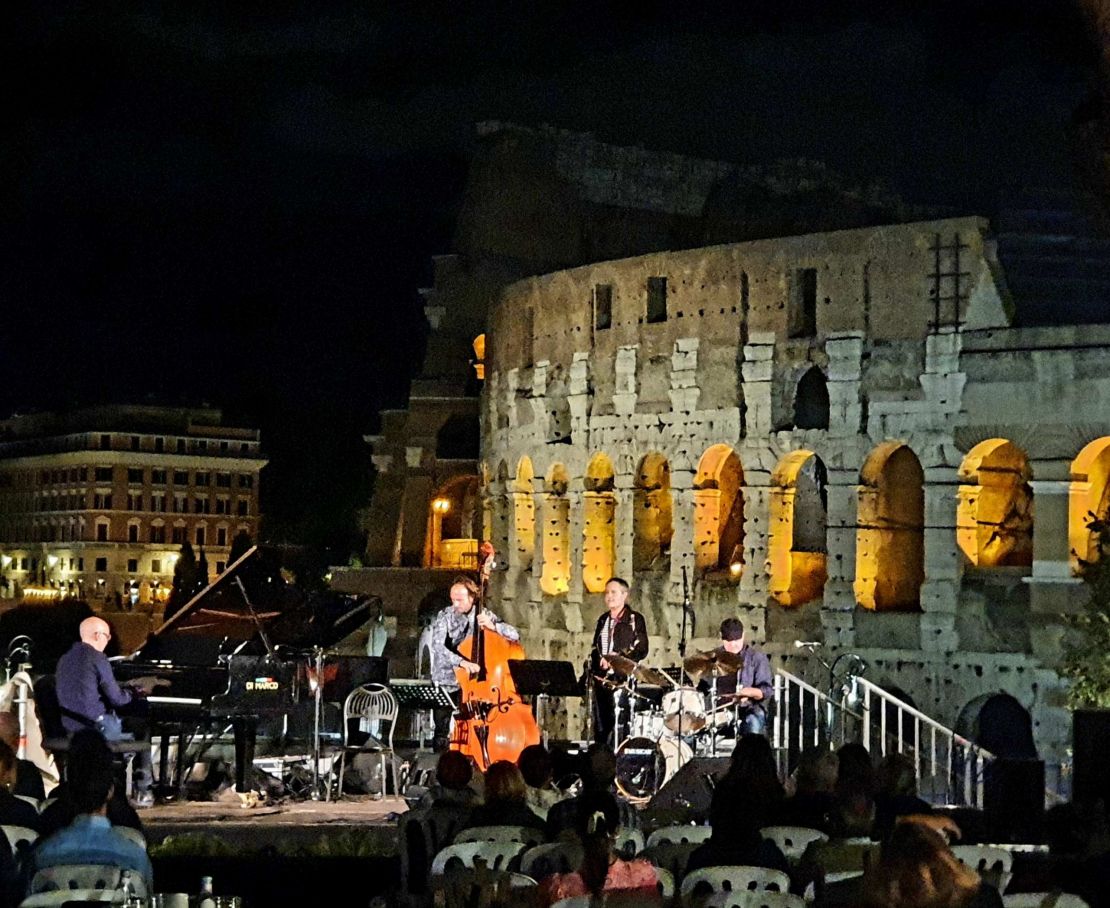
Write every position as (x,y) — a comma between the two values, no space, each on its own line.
(644,766)
(685,711)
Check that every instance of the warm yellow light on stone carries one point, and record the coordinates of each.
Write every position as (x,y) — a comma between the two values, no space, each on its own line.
(796,560)
(599,507)
(555,578)
(1088,493)
(441,505)
(718,509)
(994,506)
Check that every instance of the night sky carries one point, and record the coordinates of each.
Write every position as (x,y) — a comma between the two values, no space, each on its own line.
(238,206)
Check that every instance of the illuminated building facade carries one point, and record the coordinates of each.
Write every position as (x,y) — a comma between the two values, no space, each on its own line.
(97,503)
(836,436)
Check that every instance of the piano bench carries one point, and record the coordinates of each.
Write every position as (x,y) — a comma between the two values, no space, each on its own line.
(124,750)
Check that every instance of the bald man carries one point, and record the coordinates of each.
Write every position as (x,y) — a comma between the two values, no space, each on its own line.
(89,696)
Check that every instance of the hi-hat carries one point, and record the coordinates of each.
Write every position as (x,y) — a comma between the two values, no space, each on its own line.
(713,664)
(620,663)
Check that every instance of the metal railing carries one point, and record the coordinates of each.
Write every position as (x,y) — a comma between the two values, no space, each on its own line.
(948,766)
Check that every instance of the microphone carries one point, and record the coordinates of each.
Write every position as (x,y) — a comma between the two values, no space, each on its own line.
(807,644)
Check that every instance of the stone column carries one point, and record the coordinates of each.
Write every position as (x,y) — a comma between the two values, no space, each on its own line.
(757,507)
(757,373)
(535,592)
(577,526)
(1053,584)
(941,587)
(578,398)
(623,530)
(682,539)
(839,604)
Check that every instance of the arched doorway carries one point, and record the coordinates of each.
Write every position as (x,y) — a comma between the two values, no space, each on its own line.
(719,511)
(797,549)
(994,511)
(524,515)
(811,401)
(599,506)
(454,525)
(1088,497)
(890,540)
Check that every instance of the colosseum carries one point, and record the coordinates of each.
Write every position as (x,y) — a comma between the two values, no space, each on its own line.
(838,437)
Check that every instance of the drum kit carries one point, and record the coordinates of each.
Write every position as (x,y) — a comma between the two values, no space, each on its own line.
(670,720)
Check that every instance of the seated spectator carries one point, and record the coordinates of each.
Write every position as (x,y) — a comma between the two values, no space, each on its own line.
(13,811)
(62,810)
(453,775)
(736,838)
(753,780)
(1079,842)
(917,869)
(812,803)
(504,803)
(854,812)
(28,779)
(90,838)
(599,778)
(895,794)
(537,768)
(602,870)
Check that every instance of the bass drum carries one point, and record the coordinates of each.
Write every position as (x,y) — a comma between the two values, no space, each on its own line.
(644,765)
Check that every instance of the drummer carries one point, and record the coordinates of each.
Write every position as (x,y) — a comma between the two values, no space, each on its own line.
(751,687)
(621,633)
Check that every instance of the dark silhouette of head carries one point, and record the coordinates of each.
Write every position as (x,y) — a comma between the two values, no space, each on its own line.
(90,772)
(535,765)
(453,770)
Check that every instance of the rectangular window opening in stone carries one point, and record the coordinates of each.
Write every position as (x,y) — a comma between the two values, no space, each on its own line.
(656,299)
(803,304)
(603,306)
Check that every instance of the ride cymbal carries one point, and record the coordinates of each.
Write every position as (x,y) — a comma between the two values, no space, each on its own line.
(713,664)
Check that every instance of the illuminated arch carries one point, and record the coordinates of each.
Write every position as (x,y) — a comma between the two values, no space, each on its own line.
(479,346)
(797,553)
(599,509)
(524,514)
(454,523)
(652,515)
(719,511)
(890,539)
(555,578)
(994,509)
(1089,494)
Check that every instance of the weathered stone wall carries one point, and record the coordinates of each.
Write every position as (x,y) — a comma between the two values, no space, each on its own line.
(902,388)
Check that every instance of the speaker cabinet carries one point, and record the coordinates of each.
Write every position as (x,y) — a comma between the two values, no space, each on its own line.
(691,788)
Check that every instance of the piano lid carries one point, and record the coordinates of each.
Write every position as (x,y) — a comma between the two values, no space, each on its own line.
(289,616)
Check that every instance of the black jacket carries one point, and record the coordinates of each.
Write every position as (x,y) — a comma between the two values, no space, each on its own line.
(629,638)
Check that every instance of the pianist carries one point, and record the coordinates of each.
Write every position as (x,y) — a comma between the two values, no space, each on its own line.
(89,697)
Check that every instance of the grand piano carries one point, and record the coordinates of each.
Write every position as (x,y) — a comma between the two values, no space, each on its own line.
(249,647)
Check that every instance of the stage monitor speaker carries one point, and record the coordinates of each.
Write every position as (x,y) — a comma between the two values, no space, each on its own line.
(1090,732)
(1013,799)
(691,788)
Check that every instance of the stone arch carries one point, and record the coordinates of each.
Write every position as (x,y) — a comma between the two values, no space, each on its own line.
(479,362)
(890,537)
(524,514)
(652,515)
(994,509)
(797,551)
(555,578)
(599,509)
(719,511)
(1088,496)
(454,524)
(811,401)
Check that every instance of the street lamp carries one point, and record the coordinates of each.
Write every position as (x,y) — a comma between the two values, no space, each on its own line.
(440,506)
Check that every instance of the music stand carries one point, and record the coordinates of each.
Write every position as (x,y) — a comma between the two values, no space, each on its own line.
(543,678)
(419,694)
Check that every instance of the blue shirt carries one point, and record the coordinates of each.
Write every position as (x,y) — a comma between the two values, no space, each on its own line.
(91,839)
(86,687)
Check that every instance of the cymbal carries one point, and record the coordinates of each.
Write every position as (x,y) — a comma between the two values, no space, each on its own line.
(653,677)
(620,663)
(713,664)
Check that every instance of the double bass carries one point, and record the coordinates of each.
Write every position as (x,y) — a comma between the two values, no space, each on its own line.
(492,722)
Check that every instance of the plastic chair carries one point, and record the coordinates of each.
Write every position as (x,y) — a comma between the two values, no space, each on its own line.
(34,802)
(482,887)
(554,857)
(628,842)
(526,834)
(693,834)
(495,855)
(372,702)
(575,901)
(73,897)
(836,876)
(670,856)
(665,884)
(757,899)
(71,877)
(994,865)
(1043,900)
(731,879)
(793,840)
(135,835)
(423,832)
(18,834)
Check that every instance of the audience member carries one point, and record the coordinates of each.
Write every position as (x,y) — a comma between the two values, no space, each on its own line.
(736,838)
(917,869)
(504,803)
(812,803)
(453,775)
(752,780)
(13,811)
(854,815)
(1079,842)
(598,778)
(90,838)
(537,768)
(603,870)
(895,794)
(28,779)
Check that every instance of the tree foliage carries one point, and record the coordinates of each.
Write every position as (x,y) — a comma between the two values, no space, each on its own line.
(1087,655)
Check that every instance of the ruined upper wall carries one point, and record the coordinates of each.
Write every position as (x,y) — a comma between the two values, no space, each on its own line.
(881,282)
